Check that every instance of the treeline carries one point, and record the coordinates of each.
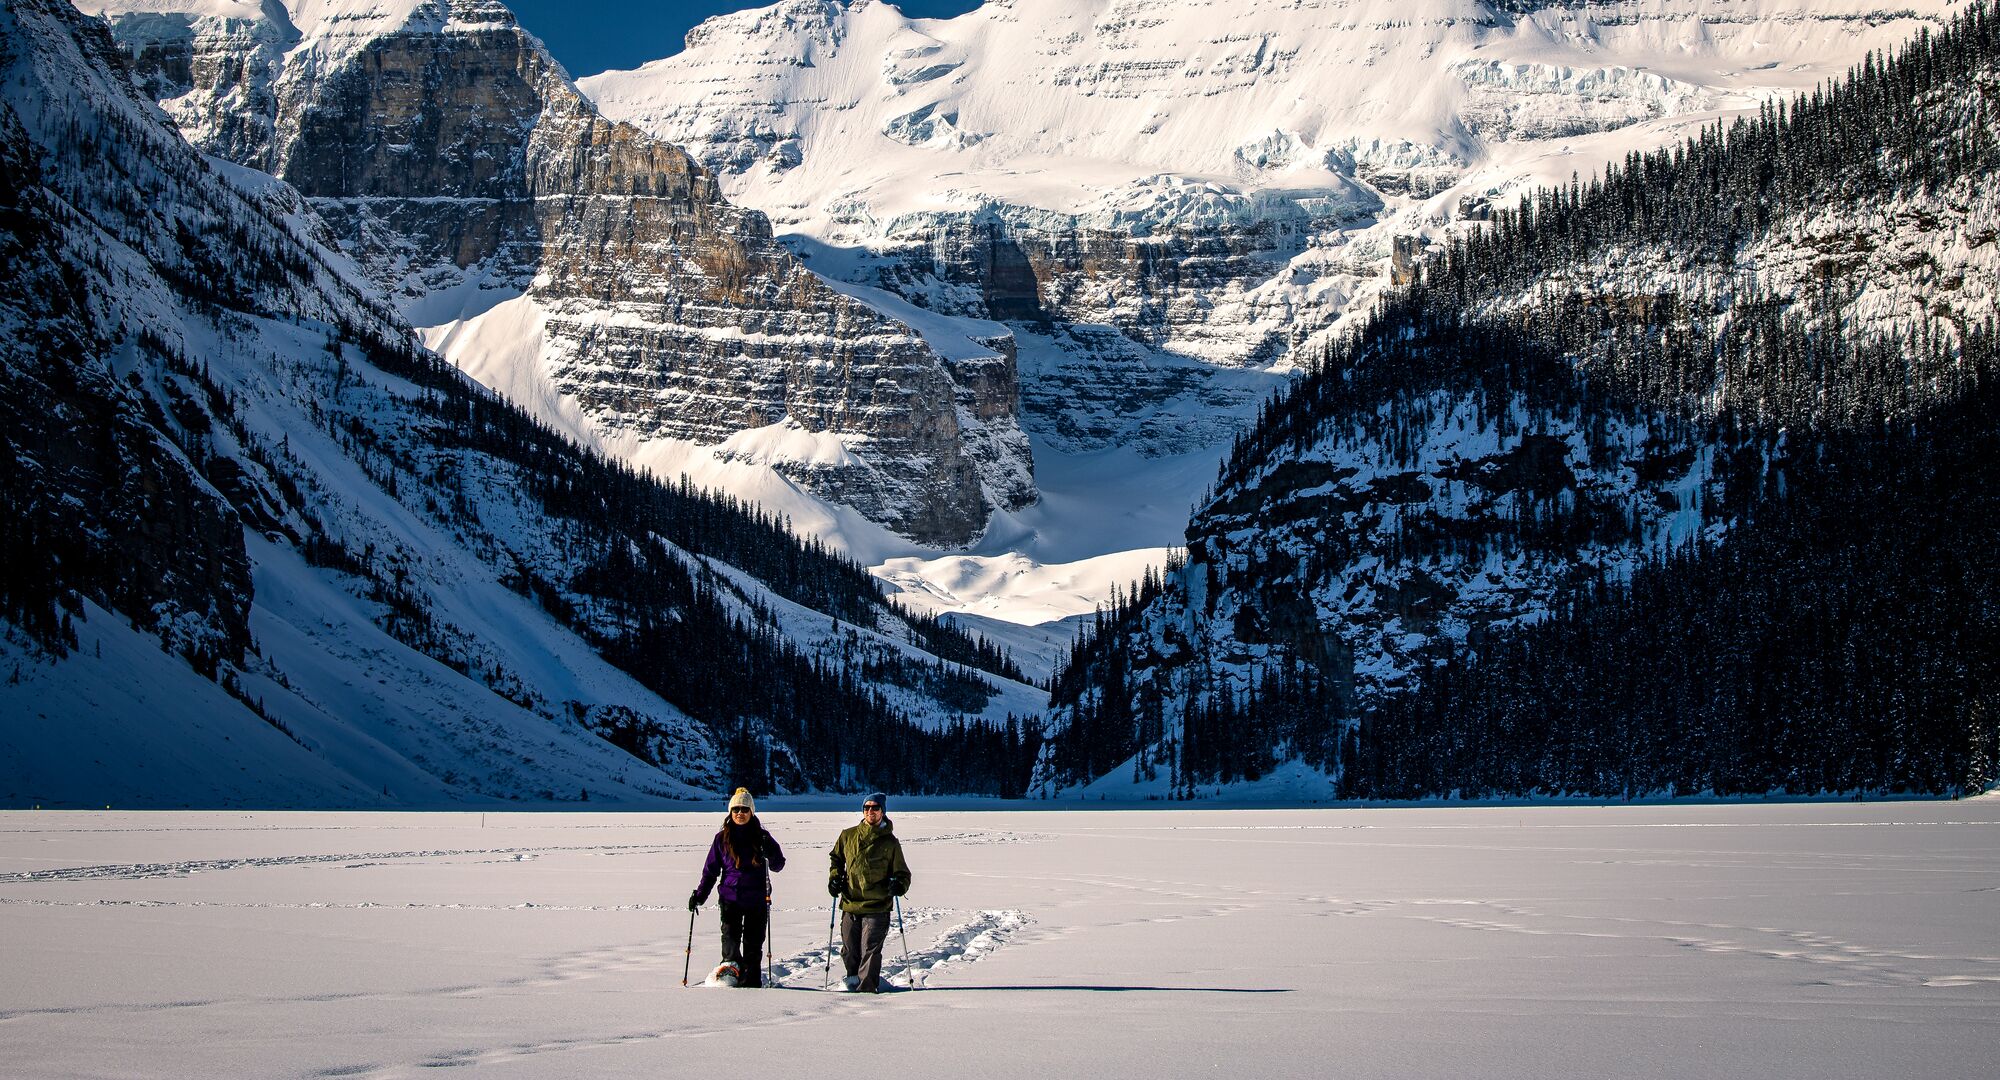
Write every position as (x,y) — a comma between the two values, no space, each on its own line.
(1111,715)
(1120,615)
(939,637)
(786,717)
(965,755)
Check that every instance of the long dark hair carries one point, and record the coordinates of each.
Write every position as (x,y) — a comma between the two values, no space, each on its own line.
(736,838)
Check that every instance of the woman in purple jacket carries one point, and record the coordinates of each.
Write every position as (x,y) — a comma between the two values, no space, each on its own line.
(743,856)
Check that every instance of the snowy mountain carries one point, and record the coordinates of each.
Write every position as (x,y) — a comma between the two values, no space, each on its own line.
(588,272)
(1674,481)
(1218,183)
(1537,445)
(263,548)
(1115,225)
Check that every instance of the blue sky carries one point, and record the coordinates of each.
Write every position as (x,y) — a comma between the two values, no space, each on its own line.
(590,36)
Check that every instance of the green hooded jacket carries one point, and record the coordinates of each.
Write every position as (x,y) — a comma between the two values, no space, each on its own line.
(868,863)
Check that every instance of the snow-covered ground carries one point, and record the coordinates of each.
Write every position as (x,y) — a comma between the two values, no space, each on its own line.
(1789,940)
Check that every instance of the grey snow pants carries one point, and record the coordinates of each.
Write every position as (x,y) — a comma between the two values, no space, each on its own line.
(861,938)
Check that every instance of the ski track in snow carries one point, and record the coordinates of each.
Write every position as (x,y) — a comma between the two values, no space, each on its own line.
(187,868)
(141,871)
(980,838)
(1856,965)
(734,1026)
(317,905)
(966,942)
(962,943)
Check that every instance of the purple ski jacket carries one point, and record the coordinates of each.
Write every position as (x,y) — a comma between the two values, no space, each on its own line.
(741,885)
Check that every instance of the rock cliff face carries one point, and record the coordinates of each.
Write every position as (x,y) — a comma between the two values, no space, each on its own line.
(454,160)
(1158,261)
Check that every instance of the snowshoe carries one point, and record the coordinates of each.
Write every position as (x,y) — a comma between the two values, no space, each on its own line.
(725,974)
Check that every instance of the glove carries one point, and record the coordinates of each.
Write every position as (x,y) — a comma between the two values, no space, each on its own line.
(835,887)
(694,901)
(898,885)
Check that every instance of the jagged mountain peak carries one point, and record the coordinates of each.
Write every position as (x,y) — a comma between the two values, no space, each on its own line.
(642,311)
(1214,191)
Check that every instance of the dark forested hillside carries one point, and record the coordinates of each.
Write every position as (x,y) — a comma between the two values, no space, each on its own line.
(1845,638)
(1666,482)
(787,716)
(218,440)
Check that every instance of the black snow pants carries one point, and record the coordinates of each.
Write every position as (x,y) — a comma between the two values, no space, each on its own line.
(861,938)
(743,927)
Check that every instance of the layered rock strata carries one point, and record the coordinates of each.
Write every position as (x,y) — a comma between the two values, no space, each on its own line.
(453,158)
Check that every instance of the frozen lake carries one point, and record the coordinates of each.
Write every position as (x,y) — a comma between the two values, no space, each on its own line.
(1790,940)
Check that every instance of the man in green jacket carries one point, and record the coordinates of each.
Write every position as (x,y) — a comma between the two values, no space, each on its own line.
(868,870)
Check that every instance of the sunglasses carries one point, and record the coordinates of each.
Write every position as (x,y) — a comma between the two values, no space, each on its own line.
(871,806)
(739,810)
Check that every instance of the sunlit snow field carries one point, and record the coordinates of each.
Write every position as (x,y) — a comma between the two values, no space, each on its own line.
(1790,940)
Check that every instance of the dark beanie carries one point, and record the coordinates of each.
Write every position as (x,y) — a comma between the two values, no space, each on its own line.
(878,799)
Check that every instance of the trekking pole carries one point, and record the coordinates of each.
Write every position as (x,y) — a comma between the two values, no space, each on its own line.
(770,946)
(908,977)
(826,980)
(688,960)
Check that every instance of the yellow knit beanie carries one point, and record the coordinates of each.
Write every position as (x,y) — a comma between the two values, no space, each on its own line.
(742,798)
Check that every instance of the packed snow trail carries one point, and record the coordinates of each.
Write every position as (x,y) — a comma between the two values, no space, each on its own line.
(962,943)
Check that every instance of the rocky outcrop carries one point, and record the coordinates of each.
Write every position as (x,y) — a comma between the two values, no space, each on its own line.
(1157,261)
(1141,298)
(451,156)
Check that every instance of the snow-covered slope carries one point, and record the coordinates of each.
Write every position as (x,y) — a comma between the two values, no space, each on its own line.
(264,549)
(844,109)
(276,685)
